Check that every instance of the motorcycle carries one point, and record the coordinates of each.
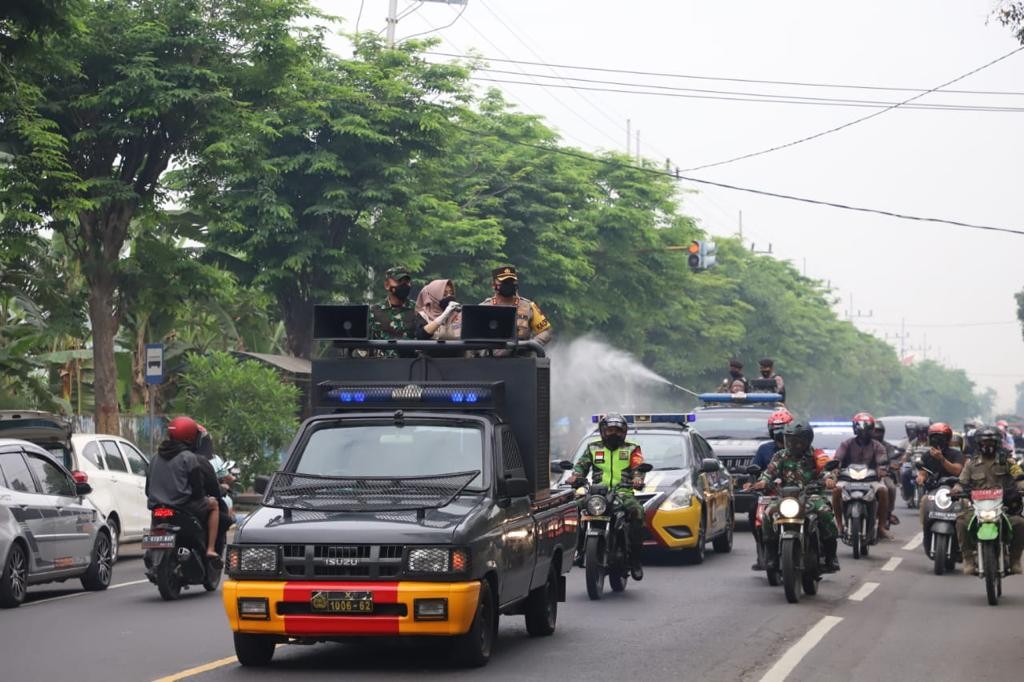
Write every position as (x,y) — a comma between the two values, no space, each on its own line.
(941,510)
(912,495)
(604,528)
(174,554)
(860,508)
(796,550)
(992,531)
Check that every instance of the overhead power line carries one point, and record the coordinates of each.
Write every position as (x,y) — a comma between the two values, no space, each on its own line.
(440,28)
(854,122)
(738,188)
(662,74)
(733,96)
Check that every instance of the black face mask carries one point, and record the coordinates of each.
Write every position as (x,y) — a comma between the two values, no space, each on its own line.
(766,373)
(402,291)
(614,441)
(508,287)
(445,301)
(735,373)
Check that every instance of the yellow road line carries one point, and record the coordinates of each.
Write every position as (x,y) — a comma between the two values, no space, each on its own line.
(199,669)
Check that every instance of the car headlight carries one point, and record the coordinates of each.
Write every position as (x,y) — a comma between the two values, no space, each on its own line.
(942,499)
(437,560)
(252,559)
(597,505)
(988,514)
(680,498)
(789,507)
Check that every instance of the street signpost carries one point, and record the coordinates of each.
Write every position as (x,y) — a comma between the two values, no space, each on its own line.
(154,370)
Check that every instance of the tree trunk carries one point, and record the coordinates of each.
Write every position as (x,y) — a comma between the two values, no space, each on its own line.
(298,325)
(104,329)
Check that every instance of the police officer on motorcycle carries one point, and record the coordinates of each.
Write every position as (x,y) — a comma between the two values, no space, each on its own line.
(795,466)
(614,460)
(991,468)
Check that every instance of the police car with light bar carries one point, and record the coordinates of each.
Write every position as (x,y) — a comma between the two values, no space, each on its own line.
(687,497)
(736,424)
(415,503)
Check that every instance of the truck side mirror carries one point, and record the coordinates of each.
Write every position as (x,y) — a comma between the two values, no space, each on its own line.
(515,487)
(709,466)
(260,484)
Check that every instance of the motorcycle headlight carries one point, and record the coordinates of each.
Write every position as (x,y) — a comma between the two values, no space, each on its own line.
(789,507)
(252,560)
(597,505)
(988,514)
(942,499)
(680,498)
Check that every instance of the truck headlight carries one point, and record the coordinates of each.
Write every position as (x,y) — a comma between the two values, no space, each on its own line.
(680,498)
(597,505)
(790,508)
(252,559)
(437,560)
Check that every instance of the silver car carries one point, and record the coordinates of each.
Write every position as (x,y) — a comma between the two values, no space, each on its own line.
(48,530)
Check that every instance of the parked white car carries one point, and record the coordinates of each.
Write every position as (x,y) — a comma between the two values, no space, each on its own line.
(116,470)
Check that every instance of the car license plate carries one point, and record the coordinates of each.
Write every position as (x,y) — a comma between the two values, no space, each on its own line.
(165,541)
(342,602)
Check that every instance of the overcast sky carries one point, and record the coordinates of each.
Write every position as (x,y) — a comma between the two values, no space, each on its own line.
(960,165)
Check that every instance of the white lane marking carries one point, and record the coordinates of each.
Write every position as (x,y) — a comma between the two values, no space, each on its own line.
(865,590)
(915,542)
(791,659)
(82,594)
(891,564)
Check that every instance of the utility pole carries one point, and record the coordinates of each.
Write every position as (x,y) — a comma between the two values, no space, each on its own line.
(638,146)
(629,137)
(392,21)
(741,227)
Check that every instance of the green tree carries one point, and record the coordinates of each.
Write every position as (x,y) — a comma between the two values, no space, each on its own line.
(96,118)
(247,408)
(300,203)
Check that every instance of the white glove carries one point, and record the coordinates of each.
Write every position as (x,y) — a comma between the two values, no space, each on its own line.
(452,307)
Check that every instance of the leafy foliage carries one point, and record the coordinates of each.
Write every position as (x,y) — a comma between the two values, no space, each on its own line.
(247,408)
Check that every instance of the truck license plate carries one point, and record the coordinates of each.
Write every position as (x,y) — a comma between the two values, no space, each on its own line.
(342,602)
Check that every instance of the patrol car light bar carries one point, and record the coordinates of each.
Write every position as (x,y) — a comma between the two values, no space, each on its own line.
(453,395)
(666,418)
(740,397)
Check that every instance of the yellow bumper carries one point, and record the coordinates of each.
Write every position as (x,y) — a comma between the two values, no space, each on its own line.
(676,529)
(290,615)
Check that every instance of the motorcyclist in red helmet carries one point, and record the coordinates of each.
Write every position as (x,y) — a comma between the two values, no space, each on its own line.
(175,478)
(864,449)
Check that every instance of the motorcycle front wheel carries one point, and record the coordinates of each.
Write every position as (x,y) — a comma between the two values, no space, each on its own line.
(857,537)
(791,570)
(990,562)
(939,552)
(595,567)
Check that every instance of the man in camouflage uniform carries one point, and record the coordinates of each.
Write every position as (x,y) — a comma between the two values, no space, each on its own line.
(530,321)
(990,469)
(614,460)
(395,316)
(795,466)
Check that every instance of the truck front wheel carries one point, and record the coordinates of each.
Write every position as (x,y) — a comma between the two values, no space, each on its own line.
(473,649)
(542,607)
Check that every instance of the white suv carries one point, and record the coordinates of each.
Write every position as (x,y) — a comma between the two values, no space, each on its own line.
(117,473)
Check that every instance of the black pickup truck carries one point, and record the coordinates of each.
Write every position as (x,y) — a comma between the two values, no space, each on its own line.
(416,502)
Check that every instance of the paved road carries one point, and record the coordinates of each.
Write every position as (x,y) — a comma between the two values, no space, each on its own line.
(716,621)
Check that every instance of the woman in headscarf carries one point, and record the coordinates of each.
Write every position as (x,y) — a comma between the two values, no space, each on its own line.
(439,316)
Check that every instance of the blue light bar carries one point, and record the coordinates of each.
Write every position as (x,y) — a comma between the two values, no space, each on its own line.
(411,393)
(663,418)
(742,398)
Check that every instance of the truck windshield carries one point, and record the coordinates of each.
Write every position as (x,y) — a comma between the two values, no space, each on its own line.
(735,424)
(394,451)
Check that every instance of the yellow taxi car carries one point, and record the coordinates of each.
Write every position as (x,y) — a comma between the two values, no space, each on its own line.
(688,496)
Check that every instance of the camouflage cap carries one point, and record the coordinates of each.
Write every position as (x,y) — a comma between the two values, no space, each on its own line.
(504,272)
(397,272)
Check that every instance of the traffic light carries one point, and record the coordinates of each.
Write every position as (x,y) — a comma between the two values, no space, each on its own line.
(703,255)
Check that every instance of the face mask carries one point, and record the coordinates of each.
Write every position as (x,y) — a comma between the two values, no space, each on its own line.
(402,291)
(735,373)
(766,373)
(614,441)
(445,301)
(508,287)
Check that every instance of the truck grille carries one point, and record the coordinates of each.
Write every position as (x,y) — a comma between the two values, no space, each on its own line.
(371,562)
